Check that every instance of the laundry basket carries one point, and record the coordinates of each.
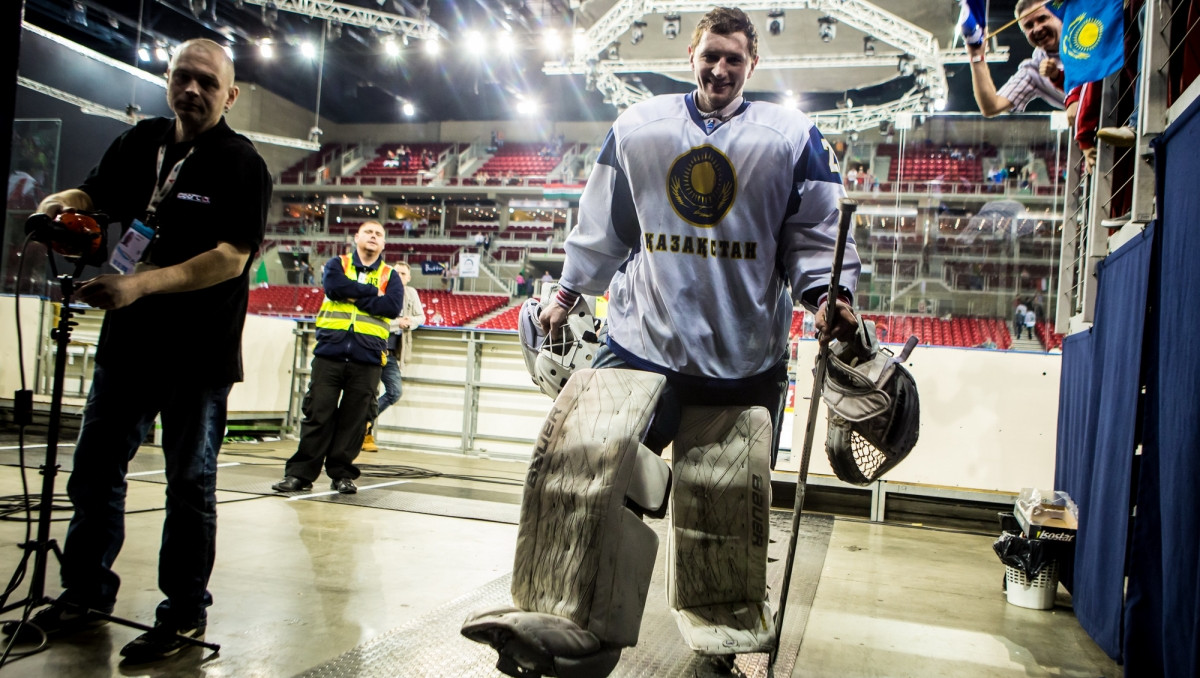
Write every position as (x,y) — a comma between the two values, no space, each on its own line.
(1037,593)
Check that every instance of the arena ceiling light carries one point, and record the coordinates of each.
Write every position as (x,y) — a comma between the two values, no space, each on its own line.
(160,52)
(143,53)
(308,50)
(671,25)
(391,47)
(868,45)
(637,32)
(775,21)
(552,41)
(528,107)
(408,109)
(475,43)
(266,48)
(505,43)
(433,46)
(827,28)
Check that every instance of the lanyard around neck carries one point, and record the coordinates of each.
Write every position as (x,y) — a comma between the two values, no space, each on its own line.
(161,191)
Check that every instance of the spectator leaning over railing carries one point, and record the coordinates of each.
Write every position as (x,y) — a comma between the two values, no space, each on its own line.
(1039,76)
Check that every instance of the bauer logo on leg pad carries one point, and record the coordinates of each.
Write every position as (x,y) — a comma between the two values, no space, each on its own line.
(717,548)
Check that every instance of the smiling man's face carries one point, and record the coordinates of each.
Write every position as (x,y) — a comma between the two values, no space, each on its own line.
(721,65)
(1042,29)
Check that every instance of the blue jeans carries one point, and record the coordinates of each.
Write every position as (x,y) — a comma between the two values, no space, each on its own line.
(120,412)
(392,385)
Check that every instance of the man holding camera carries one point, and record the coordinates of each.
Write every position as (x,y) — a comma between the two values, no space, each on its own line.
(170,345)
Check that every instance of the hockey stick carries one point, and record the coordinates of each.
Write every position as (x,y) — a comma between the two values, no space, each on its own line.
(848,208)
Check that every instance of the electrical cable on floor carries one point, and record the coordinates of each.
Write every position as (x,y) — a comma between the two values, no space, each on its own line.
(392,471)
(417,473)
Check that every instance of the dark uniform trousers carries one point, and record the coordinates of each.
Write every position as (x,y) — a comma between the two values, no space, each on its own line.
(340,396)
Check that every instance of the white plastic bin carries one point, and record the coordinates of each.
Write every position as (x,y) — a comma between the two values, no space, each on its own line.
(1035,594)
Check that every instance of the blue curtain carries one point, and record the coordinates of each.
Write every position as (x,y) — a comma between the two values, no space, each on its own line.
(1097,423)
(1076,437)
(1163,612)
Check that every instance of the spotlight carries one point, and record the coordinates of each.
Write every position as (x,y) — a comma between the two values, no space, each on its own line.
(528,107)
(921,81)
(905,64)
(551,41)
(335,31)
(390,47)
(433,46)
(197,7)
(614,52)
(868,45)
(160,52)
(637,33)
(671,25)
(827,28)
(308,50)
(408,109)
(266,49)
(475,44)
(589,82)
(505,43)
(112,22)
(939,104)
(579,41)
(314,134)
(270,15)
(775,21)
(143,53)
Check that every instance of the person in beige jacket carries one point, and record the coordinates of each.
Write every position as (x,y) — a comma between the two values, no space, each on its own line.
(412,316)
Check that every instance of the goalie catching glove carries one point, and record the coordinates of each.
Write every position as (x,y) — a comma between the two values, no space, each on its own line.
(874,412)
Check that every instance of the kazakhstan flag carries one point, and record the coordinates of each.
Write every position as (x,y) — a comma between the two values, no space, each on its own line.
(1093,40)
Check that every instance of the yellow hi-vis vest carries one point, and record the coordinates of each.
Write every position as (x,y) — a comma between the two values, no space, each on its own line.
(344,316)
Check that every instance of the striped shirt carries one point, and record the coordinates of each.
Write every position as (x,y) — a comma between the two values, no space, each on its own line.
(1028,84)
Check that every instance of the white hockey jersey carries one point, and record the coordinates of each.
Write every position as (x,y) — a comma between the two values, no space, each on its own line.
(697,233)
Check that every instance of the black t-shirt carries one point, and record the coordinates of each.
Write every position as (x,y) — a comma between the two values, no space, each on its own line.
(221,195)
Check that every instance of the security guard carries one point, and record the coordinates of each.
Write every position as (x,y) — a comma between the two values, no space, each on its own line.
(362,295)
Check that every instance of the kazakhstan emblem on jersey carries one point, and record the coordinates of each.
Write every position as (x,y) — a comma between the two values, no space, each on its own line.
(701,186)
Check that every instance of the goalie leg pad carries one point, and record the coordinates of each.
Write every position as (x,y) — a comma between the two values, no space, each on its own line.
(583,558)
(717,542)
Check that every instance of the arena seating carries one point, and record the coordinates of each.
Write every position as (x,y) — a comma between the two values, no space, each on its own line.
(408,166)
(443,309)
(519,160)
(1050,339)
(446,309)
(503,321)
(962,332)
(303,168)
(288,301)
(926,166)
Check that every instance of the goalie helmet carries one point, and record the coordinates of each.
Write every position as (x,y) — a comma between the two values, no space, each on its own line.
(874,412)
(552,360)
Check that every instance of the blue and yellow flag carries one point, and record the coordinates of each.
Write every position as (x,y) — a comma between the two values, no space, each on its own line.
(1093,40)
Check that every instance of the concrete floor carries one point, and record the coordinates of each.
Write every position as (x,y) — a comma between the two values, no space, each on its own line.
(298,583)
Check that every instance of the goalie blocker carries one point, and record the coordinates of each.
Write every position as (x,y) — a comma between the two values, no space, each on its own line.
(584,557)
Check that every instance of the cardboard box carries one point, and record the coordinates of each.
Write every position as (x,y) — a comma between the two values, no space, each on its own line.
(1048,515)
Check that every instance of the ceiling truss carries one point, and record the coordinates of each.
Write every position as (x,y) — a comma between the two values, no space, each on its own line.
(926,58)
(352,15)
